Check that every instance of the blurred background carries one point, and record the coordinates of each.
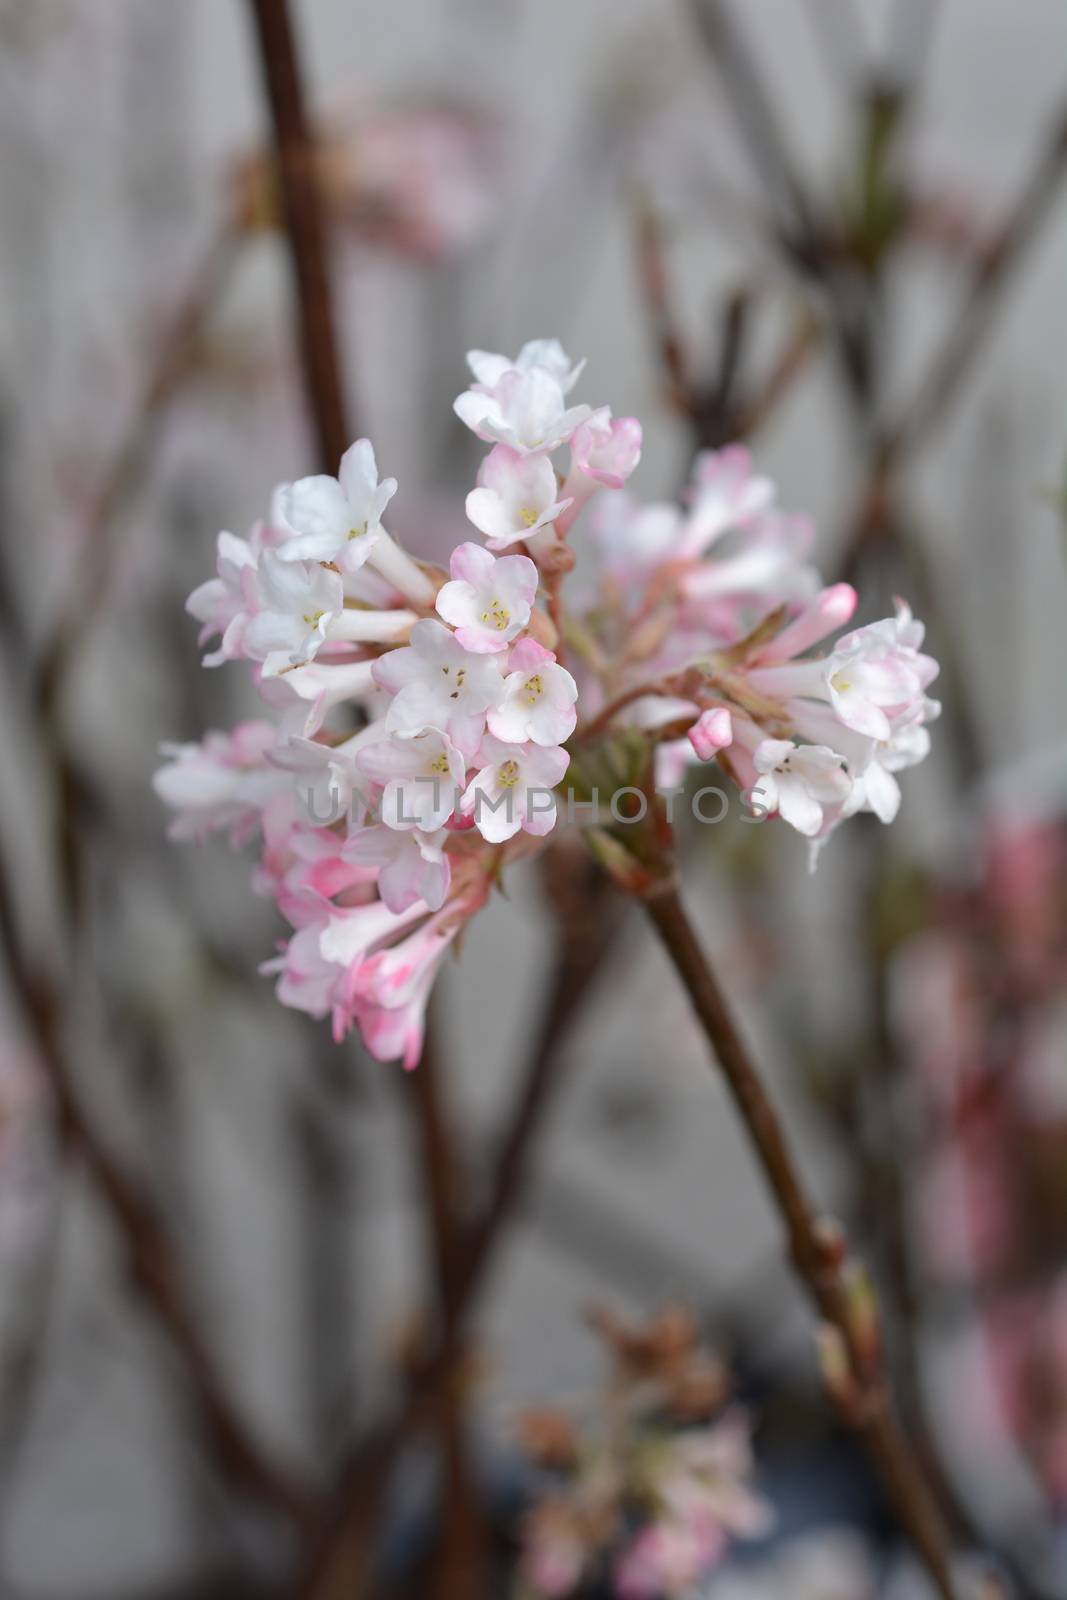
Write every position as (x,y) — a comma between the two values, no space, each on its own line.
(833,228)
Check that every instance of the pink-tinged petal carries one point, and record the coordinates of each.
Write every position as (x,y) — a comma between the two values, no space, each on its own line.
(861,715)
(527,655)
(713,731)
(466,733)
(541,821)
(547,766)
(472,563)
(830,610)
(607,449)
(476,639)
(498,469)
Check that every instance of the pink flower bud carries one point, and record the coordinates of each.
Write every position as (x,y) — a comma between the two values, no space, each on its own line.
(711,732)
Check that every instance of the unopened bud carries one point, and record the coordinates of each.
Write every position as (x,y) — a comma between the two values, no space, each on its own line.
(863,1315)
(836,1367)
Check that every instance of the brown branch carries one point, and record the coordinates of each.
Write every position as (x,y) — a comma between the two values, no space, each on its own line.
(456,1564)
(606,716)
(100,549)
(581,896)
(654,285)
(996,265)
(151,1259)
(817,1249)
(1000,258)
(791,362)
(299,184)
(753,111)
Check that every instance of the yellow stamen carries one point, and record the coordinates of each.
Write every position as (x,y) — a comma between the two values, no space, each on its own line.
(496,614)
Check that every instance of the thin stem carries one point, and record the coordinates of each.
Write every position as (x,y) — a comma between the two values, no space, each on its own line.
(789,364)
(996,265)
(456,1564)
(299,183)
(817,1251)
(580,895)
(993,272)
(101,546)
(753,110)
(603,719)
(652,277)
(153,1264)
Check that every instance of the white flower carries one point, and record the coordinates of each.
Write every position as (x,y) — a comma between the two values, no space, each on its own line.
(875,675)
(337,519)
(421,778)
(223,782)
(325,775)
(632,540)
(526,410)
(516,496)
(307,695)
(770,559)
(874,679)
(513,789)
(798,780)
(606,449)
(295,604)
(539,699)
(307,980)
(351,931)
(413,864)
(489,368)
(725,494)
(223,602)
(875,787)
(488,601)
(438,684)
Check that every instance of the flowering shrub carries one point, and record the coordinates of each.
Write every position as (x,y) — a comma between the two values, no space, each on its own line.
(656,1487)
(439,712)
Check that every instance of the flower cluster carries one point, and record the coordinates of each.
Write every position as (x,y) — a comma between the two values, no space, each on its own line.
(705,617)
(652,1493)
(422,720)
